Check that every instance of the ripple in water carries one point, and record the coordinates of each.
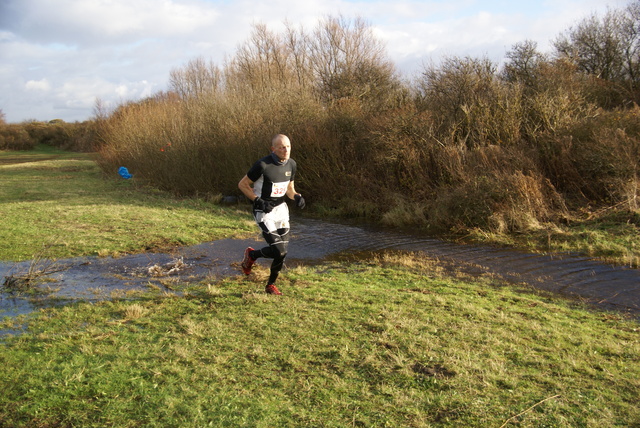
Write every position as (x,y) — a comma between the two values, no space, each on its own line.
(313,240)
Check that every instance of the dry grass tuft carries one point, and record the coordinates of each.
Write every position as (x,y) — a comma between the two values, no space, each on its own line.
(134,311)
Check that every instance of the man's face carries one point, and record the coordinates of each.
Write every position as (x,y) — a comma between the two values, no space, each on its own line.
(282,149)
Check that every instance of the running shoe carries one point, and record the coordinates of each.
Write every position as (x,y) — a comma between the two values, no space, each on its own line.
(272,289)
(247,261)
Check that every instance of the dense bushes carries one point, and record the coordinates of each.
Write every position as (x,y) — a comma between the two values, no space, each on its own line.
(461,146)
(56,133)
(596,158)
(15,137)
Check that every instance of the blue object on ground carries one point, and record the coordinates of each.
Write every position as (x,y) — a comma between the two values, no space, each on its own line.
(124,173)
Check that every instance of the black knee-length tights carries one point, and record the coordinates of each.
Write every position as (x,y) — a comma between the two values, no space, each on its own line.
(278,241)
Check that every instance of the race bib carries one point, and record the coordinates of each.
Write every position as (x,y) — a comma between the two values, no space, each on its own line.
(279,189)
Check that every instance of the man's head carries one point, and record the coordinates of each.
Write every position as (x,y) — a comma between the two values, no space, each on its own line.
(281,146)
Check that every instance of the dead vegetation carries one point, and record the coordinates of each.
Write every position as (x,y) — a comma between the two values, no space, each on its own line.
(38,269)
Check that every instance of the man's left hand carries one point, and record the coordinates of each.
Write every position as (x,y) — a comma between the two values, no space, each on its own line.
(300,203)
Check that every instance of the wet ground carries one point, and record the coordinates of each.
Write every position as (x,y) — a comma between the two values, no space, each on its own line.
(312,241)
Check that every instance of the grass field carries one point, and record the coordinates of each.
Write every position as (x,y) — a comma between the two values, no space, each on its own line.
(60,201)
(395,340)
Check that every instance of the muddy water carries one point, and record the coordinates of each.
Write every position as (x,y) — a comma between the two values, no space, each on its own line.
(312,241)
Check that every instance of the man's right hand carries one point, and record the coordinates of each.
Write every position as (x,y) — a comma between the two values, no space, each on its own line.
(260,204)
(300,203)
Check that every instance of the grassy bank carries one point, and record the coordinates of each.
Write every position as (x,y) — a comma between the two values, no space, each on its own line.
(611,236)
(60,203)
(393,342)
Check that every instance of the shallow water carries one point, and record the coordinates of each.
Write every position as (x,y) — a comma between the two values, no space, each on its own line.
(94,278)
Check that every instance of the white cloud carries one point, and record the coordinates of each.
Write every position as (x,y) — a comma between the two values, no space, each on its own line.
(75,22)
(6,36)
(83,92)
(59,56)
(38,85)
(122,91)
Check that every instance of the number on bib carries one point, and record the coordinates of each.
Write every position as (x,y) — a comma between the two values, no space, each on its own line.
(279,189)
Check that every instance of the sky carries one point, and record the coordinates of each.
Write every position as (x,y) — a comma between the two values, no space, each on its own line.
(57,57)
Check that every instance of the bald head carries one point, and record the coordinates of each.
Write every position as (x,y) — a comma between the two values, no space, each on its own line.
(281,146)
(279,138)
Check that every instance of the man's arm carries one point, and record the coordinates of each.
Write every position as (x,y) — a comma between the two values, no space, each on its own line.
(291,190)
(245,186)
(291,193)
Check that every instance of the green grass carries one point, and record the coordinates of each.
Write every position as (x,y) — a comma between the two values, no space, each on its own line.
(397,340)
(61,201)
(612,236)
(394,342)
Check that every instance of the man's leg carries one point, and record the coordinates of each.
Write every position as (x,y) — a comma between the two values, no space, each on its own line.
(275,230)
(278,241)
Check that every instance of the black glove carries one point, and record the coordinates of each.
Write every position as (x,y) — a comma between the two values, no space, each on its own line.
(260,204)
(300,203)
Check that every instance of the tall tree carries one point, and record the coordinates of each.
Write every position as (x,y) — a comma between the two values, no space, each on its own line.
(606,48)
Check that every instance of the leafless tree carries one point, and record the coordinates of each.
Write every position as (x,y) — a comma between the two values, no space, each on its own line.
(348,60)
(265,61)
(606,48)
(523,64)
(198,77)
(297,42)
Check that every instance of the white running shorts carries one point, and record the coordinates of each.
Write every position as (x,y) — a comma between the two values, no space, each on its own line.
(278,218)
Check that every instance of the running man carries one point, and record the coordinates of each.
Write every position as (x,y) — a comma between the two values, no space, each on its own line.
(267,184)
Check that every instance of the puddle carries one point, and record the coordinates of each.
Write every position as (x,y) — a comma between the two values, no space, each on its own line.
(96,278)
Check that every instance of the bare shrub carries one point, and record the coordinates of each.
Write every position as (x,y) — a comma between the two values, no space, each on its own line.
(340,59)
(419,181)
(15,137)
(203,145)
(26,280)
(471,148)
(266,61)
(473,108)
(594,45)
(499,202)
(596,159)
(197,78)
(296,41)
(559,101)
(607,49)
(606,155)
(55,133)
(553,95)
(85,137)
(322,93)
(523,65)
(404,154)
(76,136)
(145,137)
(494,188)
(348,61)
